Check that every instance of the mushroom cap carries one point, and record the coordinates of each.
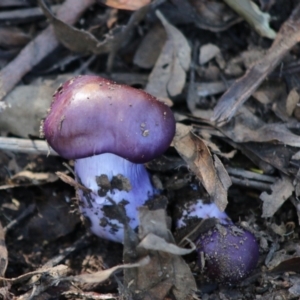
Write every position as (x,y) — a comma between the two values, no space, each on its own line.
(231,253)
(91,115)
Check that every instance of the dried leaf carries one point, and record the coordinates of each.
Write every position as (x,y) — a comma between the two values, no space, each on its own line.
(169,73)
(166,273)
(282,189)
(292,101)
(125,4)
(194,151)
(72,38)
(208,52)
(154,242)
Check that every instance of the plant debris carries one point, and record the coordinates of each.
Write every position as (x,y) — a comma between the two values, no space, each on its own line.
(229,70)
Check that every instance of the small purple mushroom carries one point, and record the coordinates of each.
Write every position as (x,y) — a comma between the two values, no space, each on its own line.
(227,253)
(109,130)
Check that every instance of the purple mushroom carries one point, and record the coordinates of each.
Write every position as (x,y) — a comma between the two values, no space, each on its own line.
(110,130)
(227,253)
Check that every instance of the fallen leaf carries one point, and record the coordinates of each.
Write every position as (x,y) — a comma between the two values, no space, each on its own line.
(168,76)
(282,189)
(166,273)
(208,52)
(146,55)
(292,101)
(196,154)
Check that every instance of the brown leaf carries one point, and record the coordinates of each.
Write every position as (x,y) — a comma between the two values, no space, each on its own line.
(166,272)
(169,73)
(282,189)
(194,151)
(208,52)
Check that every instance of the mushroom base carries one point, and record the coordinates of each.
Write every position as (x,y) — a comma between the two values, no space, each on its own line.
(226,253)
(109,176)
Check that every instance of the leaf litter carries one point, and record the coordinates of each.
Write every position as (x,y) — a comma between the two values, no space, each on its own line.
(246,157)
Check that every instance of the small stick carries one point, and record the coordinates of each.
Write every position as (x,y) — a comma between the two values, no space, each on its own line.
(250,175)
(26,146)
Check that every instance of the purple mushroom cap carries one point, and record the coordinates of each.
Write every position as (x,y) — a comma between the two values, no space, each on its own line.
(230,253)
(91,115)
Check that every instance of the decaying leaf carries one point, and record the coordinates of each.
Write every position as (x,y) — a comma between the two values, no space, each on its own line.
(125,4)
(169,73)
(208,52)
(282,189)
(196,154)
(292,101)
(166,273)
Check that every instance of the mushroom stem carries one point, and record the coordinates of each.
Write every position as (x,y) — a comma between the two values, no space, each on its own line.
(111,176)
